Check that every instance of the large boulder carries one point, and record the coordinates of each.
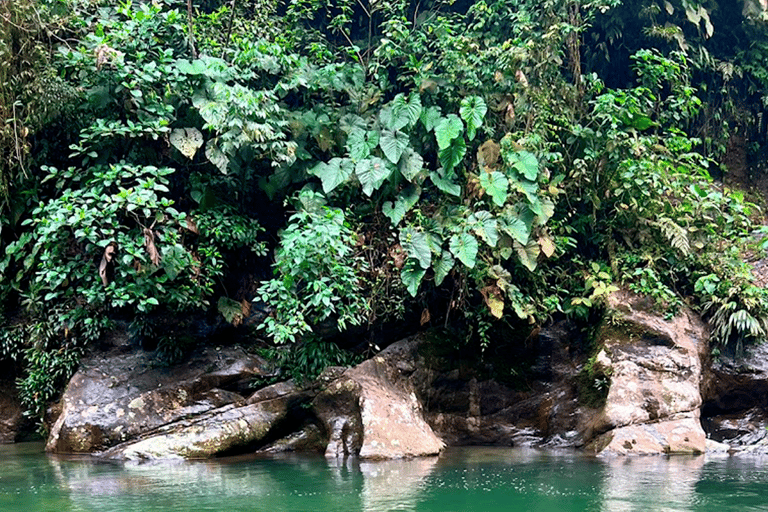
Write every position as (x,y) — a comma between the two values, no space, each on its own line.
(372,411)
(735,393)
(655,369)
(117,396)
(235,426)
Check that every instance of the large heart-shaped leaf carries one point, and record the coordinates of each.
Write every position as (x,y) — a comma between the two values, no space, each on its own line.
(216,156)
(409,110)
(447,129)
(445,183)
(485,226)
(430,117)
(443,266)
(464,246)
(528,254)
(334,173)
(527,165)
(372,172)
(360,143)
(415,244)
(411,164)
(496,185)
(393,143)
(473,110)
(411,274)
(404,202)
(453,154)
(186,140)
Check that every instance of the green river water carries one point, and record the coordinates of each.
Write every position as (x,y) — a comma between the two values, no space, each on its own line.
(462,479)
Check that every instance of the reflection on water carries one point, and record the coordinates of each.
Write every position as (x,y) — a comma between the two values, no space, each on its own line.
(462,479)
(671,481)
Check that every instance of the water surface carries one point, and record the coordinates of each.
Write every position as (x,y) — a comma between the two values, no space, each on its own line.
(462,479)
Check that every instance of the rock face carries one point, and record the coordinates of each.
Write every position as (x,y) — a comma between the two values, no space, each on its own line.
(116,397)
(221,430)
(412,399)
(120,405)
(11,419)
(655,368)
(735,409)
(372,411)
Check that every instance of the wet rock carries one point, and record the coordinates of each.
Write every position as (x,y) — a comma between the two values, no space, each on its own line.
(218,431)
(117,396)
(309,438)
(372,410)
(11,419)
(735,409)
(682,435)
(655,369)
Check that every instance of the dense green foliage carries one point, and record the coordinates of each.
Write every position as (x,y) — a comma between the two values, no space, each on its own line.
(480,163)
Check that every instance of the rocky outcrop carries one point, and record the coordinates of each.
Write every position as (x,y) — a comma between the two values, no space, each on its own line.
(372,410)
(232,427)
(735,408)
(121,405)
(655,370)
(121,395)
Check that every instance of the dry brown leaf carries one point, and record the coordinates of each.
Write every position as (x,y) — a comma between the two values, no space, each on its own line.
(149,243)
(398,255)
(425,316)
(191,226)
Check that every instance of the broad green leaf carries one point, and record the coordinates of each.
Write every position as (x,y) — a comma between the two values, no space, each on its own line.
(430,117)
(527,254)
(447,129)
(390,121)
(404,202)
(415,244)
(516,228)
(464,246)
(547,210)
(443,266)
(453,154)
(411,164)
(411,275)
(393,143)
(410,110)
(216,156)
(473,110)
(445,183)
(496,185)
(485,226)
(529,188)
(360,143)
(372,173)
(527,165)
(195,67)
(334,173)
(351,122)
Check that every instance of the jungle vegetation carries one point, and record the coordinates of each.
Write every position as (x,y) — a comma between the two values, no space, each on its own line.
(347,167)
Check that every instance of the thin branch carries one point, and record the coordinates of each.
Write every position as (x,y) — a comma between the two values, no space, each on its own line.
(191,28)
(233,8)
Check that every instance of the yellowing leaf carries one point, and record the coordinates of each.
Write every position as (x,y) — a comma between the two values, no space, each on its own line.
(187,141)
(494,301)
(547,246)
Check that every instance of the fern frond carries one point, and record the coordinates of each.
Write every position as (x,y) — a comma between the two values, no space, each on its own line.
(675,234)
